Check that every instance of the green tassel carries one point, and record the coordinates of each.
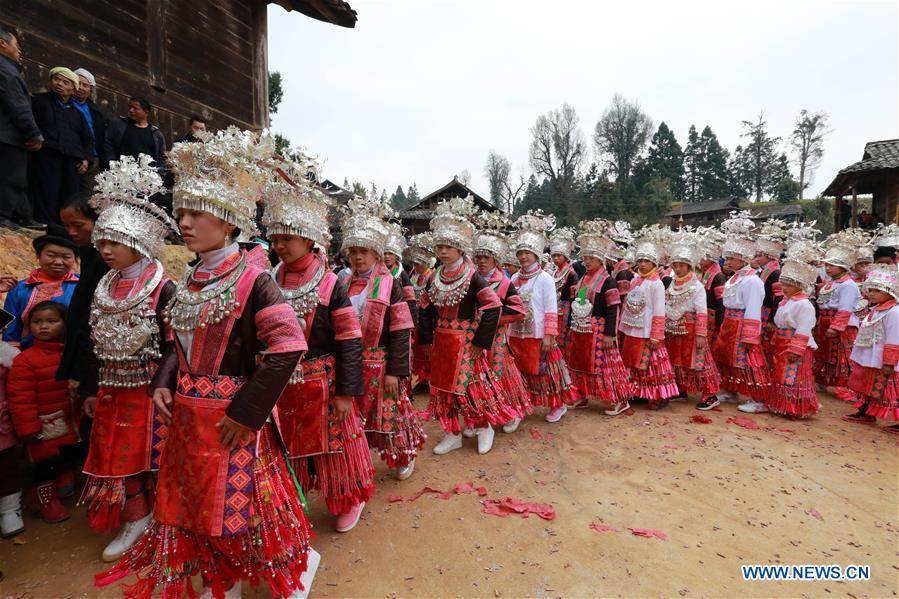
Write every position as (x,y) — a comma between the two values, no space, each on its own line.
(296,483)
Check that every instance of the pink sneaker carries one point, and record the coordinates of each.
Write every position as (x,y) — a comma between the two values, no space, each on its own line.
(556,414)
(348,520)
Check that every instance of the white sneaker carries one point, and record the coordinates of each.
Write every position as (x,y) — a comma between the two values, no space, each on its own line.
(753,407)
(469,433)
(232,593)
(618,408)
(485,439)
(127,537)
(449,443)
(406,471)
(556,414)
(512,425)
(727,396)
(312,562)
(11,522)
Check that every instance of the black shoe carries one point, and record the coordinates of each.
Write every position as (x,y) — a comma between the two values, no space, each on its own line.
(32,224)
(708,403)
(658,405)
(8,224)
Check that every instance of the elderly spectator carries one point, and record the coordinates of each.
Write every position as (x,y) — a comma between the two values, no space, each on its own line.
(18,133)
(96,122)
(197,124)
(135,134)
(53,279)
(67,146)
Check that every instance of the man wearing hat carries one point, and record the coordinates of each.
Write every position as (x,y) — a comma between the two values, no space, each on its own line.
(96,122)
(67,148)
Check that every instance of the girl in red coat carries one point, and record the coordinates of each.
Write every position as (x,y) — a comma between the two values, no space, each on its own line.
(40,408)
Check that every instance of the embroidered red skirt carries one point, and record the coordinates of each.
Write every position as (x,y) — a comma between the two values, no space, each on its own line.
(545,373)
(832,363)
(225,515)
(462,386)
(328,455)
(694,369)
(564,324)
(391,425)
(742,366)
(127,437)
(792,390)
(597,372)
(421,362)
(508,383)
(874,388)
(650,370)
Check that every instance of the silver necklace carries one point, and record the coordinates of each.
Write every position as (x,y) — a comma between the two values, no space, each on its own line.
(305,298)
(192,310)
(451,292)
(125,332)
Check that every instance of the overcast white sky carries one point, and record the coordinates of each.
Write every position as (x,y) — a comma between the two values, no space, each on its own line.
(422,89)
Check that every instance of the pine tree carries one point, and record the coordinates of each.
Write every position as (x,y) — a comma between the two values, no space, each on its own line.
(664,160)
(738,174)
(692,167)
(412,197)
(762,158)
(398,199)
(713,167)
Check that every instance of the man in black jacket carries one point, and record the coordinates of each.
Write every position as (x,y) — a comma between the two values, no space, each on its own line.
(96,122)
(19,134)
(67,145)
(135,134)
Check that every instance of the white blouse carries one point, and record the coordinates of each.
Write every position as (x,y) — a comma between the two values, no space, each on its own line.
(645,300)
(876,330)
(745,290)
(539,297)
(841,296)
(799,315)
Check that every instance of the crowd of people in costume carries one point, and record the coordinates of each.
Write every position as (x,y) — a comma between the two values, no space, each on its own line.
(217,404)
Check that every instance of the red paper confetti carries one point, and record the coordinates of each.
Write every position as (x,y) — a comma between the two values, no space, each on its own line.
(780,430)
(535,434)
(648,533)
(604,527)
(744,422)
(509,505)
(699,419)
(815,514)
(458,489)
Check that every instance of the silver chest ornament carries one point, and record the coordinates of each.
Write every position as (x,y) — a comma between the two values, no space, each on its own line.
(125,333)
(678,302)
(870,329)
(191,310)
(525,326)
(582,315)
(634,307)
(304,300)
(826,294)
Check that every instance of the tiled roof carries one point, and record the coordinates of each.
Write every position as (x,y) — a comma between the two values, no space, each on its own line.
(878,155)
(700,207)
(337,12)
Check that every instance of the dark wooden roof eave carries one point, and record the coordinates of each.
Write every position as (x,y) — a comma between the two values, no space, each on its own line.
(336,12)
(864,182)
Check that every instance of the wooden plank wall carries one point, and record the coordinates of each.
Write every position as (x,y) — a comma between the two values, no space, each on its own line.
(201,56)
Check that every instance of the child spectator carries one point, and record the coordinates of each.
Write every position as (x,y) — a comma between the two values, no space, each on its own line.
(11,522)
(42,413)
(53,279)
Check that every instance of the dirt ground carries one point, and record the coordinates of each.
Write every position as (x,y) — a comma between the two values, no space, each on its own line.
(820,491)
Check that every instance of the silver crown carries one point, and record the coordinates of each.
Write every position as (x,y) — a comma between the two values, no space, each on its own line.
(365,224)
(452,224)
(531,230)
(561,241)
(294,205)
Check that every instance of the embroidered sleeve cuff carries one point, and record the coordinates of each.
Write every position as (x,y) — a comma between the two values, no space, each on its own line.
(613,297)
(702,325)
(719,292)
(488,299)
(798,344)
(279,330)
(408,294)
(400,317)
(891,354)
(551,324)
(657,330)
(840,320)
(750,332)
(346,324)
(624,287)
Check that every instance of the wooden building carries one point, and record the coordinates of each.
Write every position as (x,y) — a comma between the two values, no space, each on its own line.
(416,218)
(877,174)
(206,57)
(701,214)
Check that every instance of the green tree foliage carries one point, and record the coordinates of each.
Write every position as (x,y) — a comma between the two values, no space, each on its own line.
(807,141)
(664,160)
(275,92)
(620,136)
(398,199)
(761,157)
(713,176)
(412,197)
(692,167)
(787,190)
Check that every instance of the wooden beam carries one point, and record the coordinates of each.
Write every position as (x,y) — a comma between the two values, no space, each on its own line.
(854,222)
(838,214)
(156,43)
(260,65)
